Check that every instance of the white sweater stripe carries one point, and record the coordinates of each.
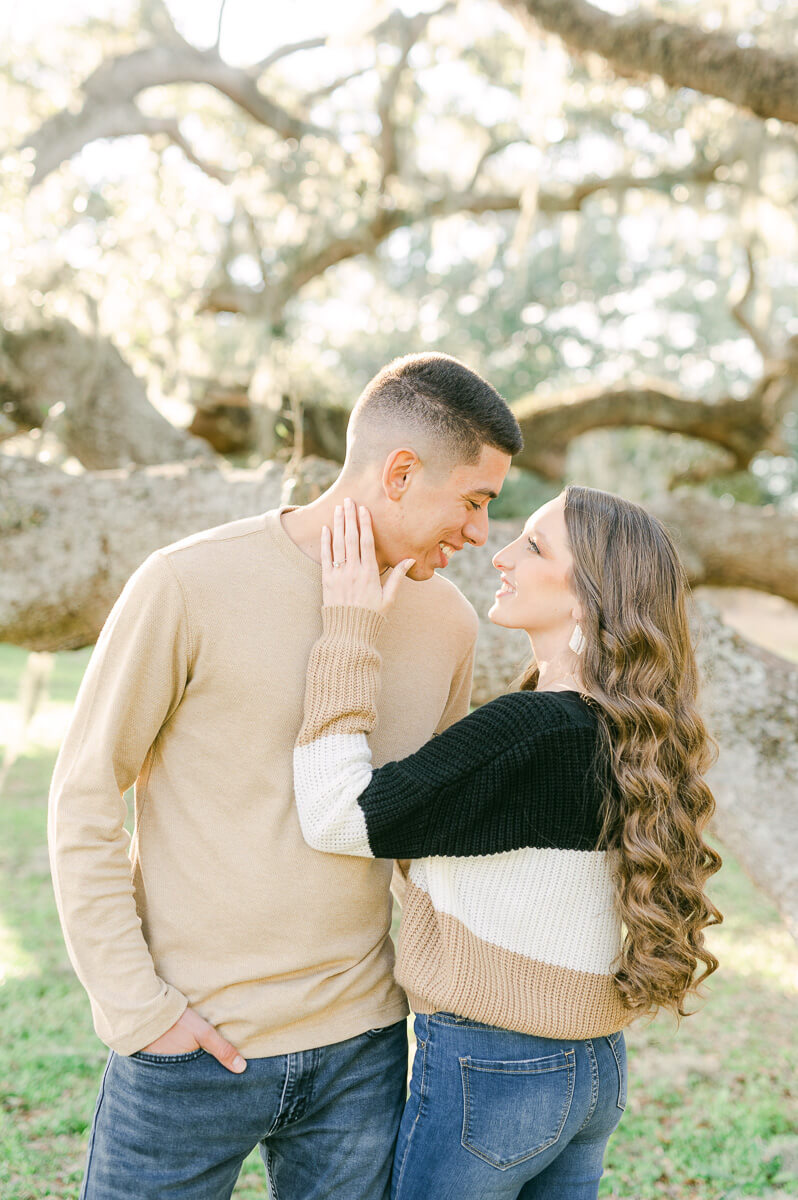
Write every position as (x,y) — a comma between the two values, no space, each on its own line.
(552,906)
(329,775)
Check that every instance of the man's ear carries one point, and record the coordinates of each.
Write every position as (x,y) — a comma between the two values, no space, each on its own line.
(400,467)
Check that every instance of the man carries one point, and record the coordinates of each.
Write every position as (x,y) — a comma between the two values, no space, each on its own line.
(242,980)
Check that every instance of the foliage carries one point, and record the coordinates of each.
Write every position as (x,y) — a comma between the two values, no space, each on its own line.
(635,280)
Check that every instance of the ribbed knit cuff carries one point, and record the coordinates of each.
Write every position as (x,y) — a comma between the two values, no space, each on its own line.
(343,674)
(351,623)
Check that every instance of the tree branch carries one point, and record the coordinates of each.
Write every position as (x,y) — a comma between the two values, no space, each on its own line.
(172,130)
(230,297)
(741,317)
(328,88)
(736,546)
(741,427)
(763,81)
(109,110)
(274,56)
(495,146)
(412,29)
(222,7)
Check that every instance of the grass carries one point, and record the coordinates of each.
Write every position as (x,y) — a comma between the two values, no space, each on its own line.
(712,1111)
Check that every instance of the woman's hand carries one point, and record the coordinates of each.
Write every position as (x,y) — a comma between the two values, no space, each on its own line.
(349,571)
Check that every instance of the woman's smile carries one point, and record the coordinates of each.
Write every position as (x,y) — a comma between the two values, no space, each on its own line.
(507,588)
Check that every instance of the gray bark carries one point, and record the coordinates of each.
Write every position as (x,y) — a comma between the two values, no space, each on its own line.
(68,543)
(636,44)
(89,398)
(750,702)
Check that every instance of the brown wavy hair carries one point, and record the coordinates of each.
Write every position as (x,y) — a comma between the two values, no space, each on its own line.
(639,672)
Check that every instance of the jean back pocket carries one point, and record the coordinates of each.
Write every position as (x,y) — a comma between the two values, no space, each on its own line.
(513,1110)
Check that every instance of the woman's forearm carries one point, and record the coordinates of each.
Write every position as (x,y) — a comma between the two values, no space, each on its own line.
(332,759)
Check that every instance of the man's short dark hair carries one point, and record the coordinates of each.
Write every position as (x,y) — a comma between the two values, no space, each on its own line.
(445,398)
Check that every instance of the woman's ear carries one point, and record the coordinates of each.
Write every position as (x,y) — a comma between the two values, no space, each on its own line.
(399,468)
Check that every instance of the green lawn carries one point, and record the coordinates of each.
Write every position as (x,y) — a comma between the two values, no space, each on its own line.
(712,1110)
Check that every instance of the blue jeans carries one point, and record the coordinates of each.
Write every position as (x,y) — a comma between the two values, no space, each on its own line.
(325,1121)
(504,1116)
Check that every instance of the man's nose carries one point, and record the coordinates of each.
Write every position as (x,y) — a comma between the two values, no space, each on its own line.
(476,529)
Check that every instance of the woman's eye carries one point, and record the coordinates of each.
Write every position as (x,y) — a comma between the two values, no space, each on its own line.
(534,545)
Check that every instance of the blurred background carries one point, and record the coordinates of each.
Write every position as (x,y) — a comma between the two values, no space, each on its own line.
(219,220)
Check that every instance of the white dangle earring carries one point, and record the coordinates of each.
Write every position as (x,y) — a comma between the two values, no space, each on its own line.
(577,641)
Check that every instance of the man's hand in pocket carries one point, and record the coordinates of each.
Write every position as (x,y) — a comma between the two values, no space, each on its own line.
(190,1032)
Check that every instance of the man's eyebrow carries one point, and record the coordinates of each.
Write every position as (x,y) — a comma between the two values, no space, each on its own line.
(484,492)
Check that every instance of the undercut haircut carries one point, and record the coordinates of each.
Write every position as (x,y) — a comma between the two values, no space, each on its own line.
(453,409)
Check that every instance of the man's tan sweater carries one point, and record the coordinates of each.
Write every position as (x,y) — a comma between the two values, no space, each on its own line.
(195,694)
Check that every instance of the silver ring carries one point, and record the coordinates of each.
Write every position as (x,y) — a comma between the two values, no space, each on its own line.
(340,564)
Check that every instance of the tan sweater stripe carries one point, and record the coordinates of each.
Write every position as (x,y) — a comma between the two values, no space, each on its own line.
(444,966)
(343,675)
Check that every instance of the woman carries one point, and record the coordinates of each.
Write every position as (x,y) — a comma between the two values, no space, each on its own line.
(556,888)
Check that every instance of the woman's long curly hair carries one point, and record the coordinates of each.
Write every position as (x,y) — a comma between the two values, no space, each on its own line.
(639,667)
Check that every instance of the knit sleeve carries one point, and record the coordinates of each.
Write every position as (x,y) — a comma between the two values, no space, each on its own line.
(332,758)
(509,775)
(132,686)
(343,674)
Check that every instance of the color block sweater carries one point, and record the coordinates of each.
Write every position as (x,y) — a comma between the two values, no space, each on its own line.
(509,916)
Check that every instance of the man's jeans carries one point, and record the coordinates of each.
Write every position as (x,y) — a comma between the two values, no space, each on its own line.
(181,1125)
(506,1116)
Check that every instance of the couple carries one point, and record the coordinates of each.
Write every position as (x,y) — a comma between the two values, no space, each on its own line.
(236,949)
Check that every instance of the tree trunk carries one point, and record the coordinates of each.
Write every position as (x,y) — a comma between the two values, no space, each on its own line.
(68,543)
(750,702)
(89,398)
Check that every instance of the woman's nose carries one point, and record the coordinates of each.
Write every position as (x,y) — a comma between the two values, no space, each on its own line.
(499,560)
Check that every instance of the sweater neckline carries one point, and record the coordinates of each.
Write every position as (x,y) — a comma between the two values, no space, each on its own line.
(571,694)
(300,561)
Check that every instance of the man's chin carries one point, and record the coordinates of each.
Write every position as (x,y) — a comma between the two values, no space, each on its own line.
(419,572)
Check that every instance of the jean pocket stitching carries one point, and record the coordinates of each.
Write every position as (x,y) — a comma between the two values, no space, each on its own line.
(454,1022)
(189,1056)
(449,1019)
(621,1101)
(495,1160)
(513,1070)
